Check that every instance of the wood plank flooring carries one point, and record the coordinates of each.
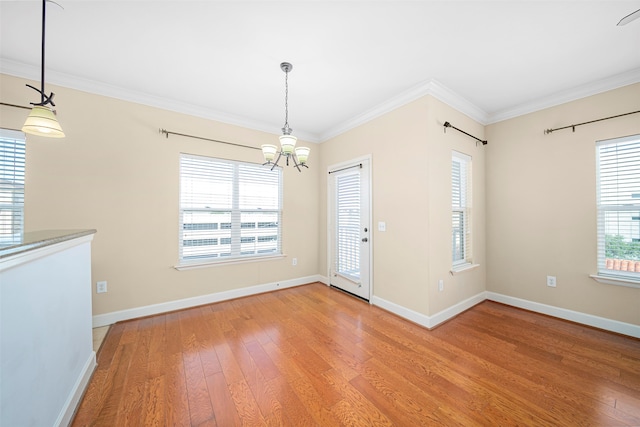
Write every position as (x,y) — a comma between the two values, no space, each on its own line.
(313,356)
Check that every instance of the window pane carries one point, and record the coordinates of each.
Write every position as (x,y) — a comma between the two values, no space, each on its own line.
(618,192)
(228,209)
(12,166)
(460,208)
(348,225)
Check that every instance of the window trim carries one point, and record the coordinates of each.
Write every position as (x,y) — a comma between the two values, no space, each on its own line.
(604,275)
(466,263)
(15,142)
(235,212)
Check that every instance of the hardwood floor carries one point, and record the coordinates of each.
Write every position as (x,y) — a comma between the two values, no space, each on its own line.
(313,356)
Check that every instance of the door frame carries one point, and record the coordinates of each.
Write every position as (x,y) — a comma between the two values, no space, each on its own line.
(346,164)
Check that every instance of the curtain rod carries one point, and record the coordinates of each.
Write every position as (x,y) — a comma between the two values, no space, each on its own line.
(348,167)
(14,105)
(547,131)
(167,133)
(449,125)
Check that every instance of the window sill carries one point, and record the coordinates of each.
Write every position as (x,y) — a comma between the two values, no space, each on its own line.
(616,280)
(462,268)
(205,264)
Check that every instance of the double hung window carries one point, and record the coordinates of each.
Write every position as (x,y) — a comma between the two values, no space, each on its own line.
(618,201)
(228,210)
(461,210)
(12,164)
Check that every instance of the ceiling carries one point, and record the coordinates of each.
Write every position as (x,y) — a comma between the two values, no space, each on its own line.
(351,59)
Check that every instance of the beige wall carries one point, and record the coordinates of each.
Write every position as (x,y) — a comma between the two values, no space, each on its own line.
(411,176)
(114,172)
(541,205)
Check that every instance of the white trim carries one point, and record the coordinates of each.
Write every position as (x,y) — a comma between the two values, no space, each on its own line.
(430,87)
(616,280)
(346,164)
(573,94)
(462,268)
(70,406)
(429,321)
(25,254)
(22,70)
(100,320)
(574,316)
(212,263)
(454,310)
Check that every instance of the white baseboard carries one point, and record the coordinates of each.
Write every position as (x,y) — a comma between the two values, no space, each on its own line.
(69,408)
(574,316)
(148,310)
(424,320)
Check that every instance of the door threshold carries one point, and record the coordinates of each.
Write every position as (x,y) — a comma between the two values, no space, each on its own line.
(349,293)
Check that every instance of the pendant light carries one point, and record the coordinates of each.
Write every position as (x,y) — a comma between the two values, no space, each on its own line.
(288,149)
(42,119)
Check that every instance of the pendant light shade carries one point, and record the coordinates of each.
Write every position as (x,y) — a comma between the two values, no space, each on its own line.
(269,152)
(42,121)
(287,144)
(302,153)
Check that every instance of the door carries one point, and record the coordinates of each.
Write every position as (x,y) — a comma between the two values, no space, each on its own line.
(350,228)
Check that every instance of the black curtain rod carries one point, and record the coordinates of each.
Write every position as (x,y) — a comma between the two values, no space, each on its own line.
(449,125)
(14,105)
(348,167)
(167,133)
(547,131)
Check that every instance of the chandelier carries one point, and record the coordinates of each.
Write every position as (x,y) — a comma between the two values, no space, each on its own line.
(288,149)
(42,119)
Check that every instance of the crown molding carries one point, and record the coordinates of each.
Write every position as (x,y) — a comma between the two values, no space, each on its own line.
(31,72)
(429,87)
(573,94)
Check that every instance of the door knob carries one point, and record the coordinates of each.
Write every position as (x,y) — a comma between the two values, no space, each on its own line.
(364,239)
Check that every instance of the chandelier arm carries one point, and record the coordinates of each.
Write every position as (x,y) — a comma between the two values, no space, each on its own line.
(277,160)
(295,162)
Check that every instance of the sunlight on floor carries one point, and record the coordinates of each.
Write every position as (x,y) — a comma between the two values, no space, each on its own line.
(98,336)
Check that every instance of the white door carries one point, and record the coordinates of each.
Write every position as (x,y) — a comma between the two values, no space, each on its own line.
(350,228)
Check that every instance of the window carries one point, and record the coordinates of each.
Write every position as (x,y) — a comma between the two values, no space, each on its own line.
(461,209)
(221,201)
(618,199)
(12,158)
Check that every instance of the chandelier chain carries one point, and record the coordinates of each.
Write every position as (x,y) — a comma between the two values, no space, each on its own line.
(286,99)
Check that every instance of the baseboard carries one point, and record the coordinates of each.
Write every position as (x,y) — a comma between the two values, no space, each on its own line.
(148,310)
(424,320)
(574,316)
(69,408)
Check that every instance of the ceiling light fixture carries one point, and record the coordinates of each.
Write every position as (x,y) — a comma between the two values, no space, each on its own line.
(288,148)
(42,118)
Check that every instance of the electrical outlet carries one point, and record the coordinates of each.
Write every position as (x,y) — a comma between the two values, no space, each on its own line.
(551,281)
(294,261)
(440,285)
(382,226)
(101,287)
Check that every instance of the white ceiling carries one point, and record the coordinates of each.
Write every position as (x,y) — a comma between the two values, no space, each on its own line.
(220,59)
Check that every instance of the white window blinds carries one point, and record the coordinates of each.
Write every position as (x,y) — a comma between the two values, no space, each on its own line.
(348,225)
(12,166)
(228,209)
(461,208)
(618,199)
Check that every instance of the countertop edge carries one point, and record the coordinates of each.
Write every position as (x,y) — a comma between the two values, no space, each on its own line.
(40,239)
